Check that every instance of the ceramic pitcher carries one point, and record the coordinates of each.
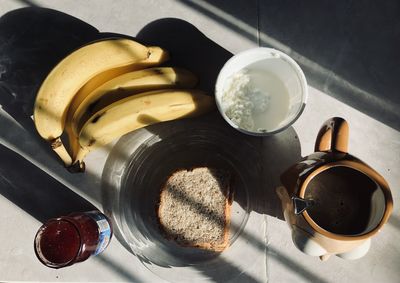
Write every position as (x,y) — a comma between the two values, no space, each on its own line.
(334,202)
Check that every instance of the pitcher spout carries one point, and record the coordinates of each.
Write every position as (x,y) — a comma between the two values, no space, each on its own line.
(301,204)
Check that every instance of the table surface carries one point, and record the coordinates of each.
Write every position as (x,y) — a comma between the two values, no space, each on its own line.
(34,186)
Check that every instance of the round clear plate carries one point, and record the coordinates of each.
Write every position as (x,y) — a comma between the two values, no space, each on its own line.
(135,170)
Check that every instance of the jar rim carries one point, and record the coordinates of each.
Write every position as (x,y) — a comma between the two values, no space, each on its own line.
(37,243)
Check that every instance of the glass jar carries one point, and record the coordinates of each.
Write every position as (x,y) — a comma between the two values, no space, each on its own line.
(69,239)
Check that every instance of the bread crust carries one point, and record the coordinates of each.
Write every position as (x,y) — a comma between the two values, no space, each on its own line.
(228,193)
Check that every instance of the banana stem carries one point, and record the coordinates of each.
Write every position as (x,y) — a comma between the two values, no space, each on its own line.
(78,165)
(58,147)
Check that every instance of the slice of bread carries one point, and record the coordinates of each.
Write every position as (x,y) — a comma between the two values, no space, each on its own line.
(194,208)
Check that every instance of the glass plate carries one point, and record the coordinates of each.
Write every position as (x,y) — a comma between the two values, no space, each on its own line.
(139,164)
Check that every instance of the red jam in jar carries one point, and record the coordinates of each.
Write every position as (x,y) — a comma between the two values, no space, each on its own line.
(74,238)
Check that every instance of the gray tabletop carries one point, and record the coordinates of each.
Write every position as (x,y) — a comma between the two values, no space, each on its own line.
(349,53)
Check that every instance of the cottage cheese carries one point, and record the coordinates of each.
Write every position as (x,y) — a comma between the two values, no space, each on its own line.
(241,100)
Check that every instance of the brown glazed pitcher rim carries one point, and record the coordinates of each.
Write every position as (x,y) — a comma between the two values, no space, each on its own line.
(364,169)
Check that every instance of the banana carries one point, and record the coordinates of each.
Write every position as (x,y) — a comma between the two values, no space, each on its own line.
(84,70)
(85,105)
(138,111)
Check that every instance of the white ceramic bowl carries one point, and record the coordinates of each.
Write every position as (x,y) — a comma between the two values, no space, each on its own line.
(270,61)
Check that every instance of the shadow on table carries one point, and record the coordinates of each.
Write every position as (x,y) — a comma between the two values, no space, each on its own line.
(34,190)
(188,48)
(28,3)
(347,49)
(395,221)
(32,42)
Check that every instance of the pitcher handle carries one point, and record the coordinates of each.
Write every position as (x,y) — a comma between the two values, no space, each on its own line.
(333,136)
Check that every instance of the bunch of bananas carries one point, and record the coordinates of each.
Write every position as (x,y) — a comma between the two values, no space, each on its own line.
(109,88)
